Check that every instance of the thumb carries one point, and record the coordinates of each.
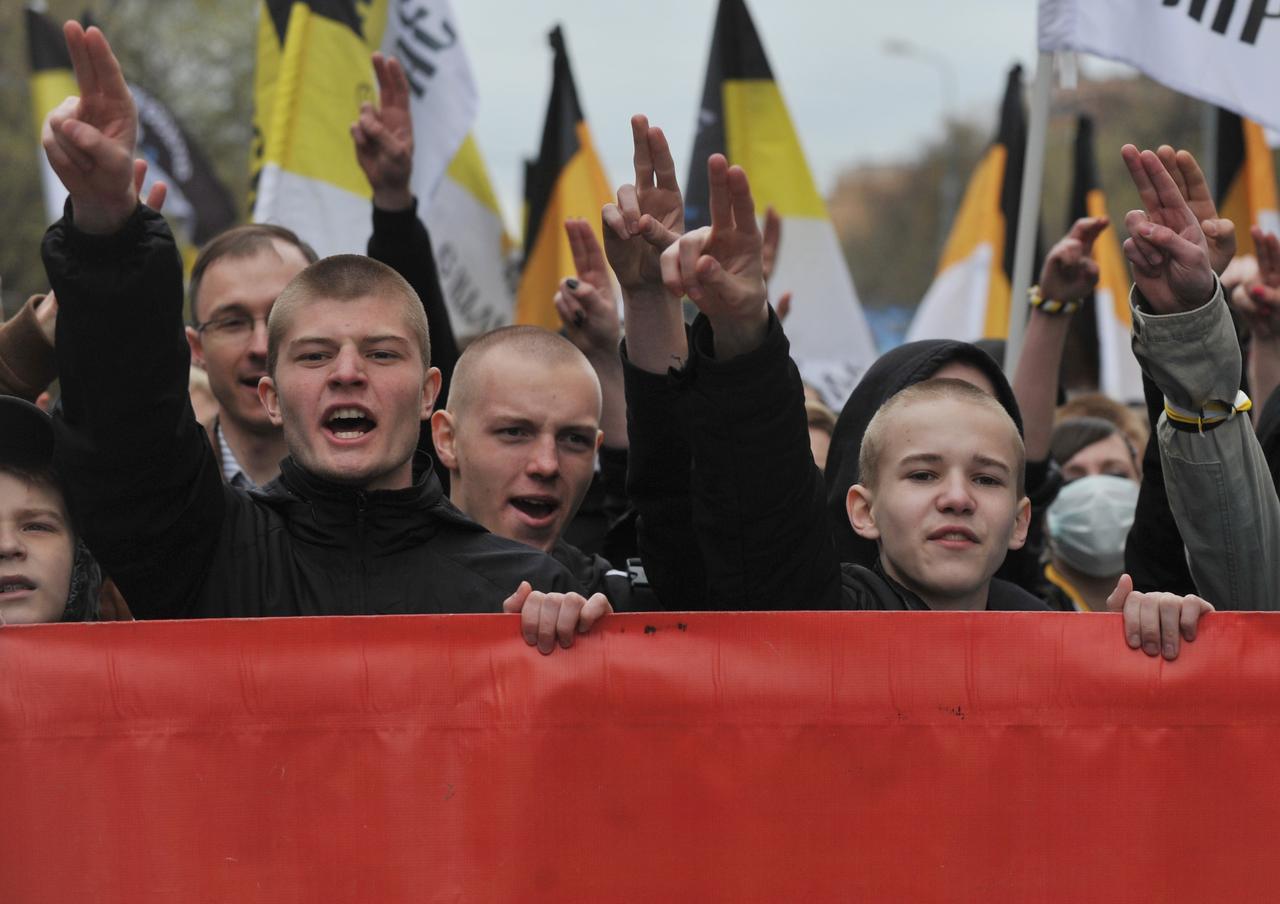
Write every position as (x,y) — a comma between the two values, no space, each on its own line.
(515,602)
(1115,602)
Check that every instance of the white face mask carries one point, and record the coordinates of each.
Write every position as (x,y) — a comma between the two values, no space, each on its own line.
(1089,522)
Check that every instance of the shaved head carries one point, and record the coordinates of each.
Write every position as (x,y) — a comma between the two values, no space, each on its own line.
(549,349)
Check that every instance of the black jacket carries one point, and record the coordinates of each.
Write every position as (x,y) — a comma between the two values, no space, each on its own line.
(148,490)
(758,498)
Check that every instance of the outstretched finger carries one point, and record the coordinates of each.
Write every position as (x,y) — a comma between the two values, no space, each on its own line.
(577,247)
(640,157)
(664,165)
(1166,189)
(593,254)
(156,195)
(106,68)
(721,202)
(1169,160)
(1141,179)
(1197,187)
(139,175)
(1086,231)
(772,237)
(744,206)
(86,77)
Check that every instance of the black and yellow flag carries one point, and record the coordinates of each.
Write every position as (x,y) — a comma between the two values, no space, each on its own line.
(567,180)
(1246,178)
(52,81)
(1098,345)
(969,297)
(744,117)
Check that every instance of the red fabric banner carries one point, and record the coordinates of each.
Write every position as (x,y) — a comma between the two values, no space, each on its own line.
(704,757)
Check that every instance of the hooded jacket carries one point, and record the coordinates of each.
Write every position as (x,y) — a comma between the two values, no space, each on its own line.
(148,492)
(892,372)
(757,498)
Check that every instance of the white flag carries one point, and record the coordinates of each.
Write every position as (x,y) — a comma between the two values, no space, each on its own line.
(1226,52)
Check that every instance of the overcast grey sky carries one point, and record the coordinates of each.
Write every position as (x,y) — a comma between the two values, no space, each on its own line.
(850,100)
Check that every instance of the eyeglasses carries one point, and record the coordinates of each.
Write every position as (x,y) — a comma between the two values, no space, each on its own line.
(233,326)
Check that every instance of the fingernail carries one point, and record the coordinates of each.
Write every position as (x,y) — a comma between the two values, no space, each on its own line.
(1151,649)
(571,283)
(1170,651)
(1134,641)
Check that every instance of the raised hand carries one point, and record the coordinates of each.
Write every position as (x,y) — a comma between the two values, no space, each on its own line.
(1218,232)
(586,305)
(90,139)
(1166,247)
(384,137)
(721,266)
(1156,622)
(1070,273)
(648,216)
(1258,298)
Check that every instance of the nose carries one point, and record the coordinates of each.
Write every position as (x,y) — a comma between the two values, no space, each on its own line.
(544,458)
(11,545)
(348,367)
(258,339)
(954,496)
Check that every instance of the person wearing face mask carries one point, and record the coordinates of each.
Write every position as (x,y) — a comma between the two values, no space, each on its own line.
(1088,523)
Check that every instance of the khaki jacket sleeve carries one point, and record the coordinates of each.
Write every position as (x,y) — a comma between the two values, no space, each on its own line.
(1219,487)
(27,361)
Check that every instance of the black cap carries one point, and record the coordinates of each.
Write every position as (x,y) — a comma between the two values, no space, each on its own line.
(26,435)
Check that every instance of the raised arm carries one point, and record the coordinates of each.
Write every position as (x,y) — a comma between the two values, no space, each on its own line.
(383,137)
(1068,276)
(139,470)
(1258,300)
(1219,488)
(759,499)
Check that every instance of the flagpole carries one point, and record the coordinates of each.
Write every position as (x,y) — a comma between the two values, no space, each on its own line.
(1028,209)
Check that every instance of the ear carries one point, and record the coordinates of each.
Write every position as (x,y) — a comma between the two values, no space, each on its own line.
(196,341)
(1021,524)
(858,505)
(445,437)
(270,400)
(430,392)
(599,439)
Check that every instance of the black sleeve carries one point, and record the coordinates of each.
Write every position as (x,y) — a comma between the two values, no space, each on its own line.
(1154,554)
(759,501)
(659,465)
(400,240)
(142,482)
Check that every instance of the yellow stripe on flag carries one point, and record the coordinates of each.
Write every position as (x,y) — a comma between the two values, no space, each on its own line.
(580,191)
(324,76)
(1113,275)
(48,89)
(761,139)
(467,169)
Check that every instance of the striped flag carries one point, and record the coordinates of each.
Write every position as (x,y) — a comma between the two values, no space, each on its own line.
(52,81)
(969,297)
(1246,178)
(1100,332)
(567,180)
(310,180)
(743,116)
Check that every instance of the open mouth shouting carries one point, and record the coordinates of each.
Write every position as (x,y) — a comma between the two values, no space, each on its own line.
(536,510)
(349,422)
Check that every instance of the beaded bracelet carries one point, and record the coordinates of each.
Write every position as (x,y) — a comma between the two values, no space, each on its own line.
(1049,305)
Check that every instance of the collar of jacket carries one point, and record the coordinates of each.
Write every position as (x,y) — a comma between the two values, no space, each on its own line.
(326,513)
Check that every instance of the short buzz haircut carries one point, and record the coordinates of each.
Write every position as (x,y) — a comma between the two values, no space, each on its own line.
(534,341)
(239,242)
(345,277)
(873,440)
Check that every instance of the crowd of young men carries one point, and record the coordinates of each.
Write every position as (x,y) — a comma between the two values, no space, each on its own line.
(359,464)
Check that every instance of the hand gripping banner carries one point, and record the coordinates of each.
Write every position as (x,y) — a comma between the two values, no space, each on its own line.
(703,757)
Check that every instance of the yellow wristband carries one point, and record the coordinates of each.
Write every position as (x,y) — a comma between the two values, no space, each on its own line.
(1050,305)
(1214,413)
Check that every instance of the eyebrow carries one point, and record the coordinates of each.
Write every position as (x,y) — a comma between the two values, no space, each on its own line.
(934,457)
(42,513)
(988,461)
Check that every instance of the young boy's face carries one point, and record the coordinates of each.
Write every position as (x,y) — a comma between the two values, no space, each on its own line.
(945,507)
(36,551)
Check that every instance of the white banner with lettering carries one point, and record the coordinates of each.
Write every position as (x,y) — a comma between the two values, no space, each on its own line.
(1226,52)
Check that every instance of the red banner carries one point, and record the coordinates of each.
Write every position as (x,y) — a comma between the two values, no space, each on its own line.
(709,757)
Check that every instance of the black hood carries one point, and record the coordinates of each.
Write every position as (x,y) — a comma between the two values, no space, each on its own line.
(892,372)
